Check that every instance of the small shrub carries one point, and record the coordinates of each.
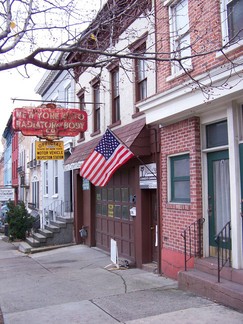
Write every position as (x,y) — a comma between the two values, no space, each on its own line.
(19,221)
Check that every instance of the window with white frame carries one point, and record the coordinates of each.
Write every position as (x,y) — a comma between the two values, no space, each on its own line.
(35,192)
(46,178)
(141,73)
(180,178)
(115,94)
(180,36)
(68,96)
(232,22)
(55,177)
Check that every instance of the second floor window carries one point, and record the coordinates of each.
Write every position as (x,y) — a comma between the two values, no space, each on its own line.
(115,95)
(81,97)
(234,20)
(180,37)
(96,107)
(141,74)
(68,96)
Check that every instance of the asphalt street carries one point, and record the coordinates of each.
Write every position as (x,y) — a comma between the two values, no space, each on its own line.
(76,284)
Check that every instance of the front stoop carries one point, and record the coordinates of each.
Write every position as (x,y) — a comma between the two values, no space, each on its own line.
(203,281)
(57,233)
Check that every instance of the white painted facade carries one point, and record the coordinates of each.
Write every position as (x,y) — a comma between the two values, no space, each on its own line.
(57,87)
(126,77)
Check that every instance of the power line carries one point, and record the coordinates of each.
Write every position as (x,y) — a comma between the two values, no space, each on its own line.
(58,101)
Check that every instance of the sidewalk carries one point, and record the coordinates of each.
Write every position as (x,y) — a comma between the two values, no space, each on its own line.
(72,285)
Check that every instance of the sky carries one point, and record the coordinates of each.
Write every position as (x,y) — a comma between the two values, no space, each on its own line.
(14,86)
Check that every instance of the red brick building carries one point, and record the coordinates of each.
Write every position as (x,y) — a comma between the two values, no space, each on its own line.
(198,107)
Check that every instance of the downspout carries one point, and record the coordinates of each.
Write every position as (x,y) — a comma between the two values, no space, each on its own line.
(157,161)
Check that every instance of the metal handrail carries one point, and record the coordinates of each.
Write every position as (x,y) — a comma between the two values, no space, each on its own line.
(223,241)
(192,236)
(58,208)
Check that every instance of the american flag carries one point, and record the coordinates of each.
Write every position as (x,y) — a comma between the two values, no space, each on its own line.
(106,158)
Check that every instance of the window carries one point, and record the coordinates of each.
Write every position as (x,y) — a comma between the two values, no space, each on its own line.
(232,23)
(235,21)
(96,96)
(55,177)
(217,134)
(46,178)
(180,178)
(81,107)
(141,74)
(179,36)
(35,192)
(115,95)
(68,96)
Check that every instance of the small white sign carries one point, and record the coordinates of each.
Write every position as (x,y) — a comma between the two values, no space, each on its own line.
(148,176)
(6,194)
(114,252)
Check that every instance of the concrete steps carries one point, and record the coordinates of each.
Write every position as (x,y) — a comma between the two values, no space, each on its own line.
(203,281)
(59,232)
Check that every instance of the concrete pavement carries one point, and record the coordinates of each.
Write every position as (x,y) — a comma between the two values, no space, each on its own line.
(73,285)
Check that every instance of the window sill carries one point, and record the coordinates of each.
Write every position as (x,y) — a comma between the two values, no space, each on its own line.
(137,114)
(178,74)
(80,140)
(229,48)
(95,133)
(46,196)
(178,206)
(55,196)
(117,123)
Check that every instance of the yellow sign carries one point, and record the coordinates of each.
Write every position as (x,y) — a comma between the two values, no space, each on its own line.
(49,150)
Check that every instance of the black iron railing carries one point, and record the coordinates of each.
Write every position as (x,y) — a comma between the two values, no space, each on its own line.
(193,240)
(223,241)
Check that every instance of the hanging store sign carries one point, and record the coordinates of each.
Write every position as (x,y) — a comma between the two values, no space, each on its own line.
(49,150)
(49,122)
(6,194)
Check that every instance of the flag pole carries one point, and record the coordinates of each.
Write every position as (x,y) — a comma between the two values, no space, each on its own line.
(138,158)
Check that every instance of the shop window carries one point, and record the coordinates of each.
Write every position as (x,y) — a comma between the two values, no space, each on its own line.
(117,211)
(104,210)
(180,178)
(98,208)
(125,212)
(125,196)
(217,134)
(110,194)
(117,194)
(104,194)
(98,193)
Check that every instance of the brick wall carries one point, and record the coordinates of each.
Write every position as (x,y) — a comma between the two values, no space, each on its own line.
(205,37)
(181,137)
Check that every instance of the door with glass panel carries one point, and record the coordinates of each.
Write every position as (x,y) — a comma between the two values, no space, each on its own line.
(218,193)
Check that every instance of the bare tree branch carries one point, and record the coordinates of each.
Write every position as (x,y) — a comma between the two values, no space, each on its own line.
(62,35)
